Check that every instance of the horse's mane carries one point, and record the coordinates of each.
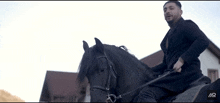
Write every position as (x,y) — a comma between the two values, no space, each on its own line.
(118,54)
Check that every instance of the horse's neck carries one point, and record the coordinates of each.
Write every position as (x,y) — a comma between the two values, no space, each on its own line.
(131,77)
(131,72)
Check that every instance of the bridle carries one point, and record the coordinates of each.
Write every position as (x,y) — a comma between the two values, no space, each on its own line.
(112,97)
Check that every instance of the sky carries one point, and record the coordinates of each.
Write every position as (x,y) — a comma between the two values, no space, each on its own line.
(36,36)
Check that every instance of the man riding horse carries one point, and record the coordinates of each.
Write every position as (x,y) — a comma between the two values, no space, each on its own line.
(182,45)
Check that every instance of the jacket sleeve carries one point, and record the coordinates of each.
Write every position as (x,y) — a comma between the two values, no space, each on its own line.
(160,67)
(199,41)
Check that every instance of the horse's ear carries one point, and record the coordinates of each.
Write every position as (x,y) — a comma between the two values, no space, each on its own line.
(99,45)
(85,45)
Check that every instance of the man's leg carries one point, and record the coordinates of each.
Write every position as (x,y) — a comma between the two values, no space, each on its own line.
(151,94)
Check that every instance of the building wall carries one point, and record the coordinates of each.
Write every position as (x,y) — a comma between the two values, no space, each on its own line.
(87,97)
(209,61)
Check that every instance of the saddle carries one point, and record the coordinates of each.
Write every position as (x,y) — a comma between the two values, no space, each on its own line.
(190,93)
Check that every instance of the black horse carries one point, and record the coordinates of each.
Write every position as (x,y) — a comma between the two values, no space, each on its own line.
(116,75)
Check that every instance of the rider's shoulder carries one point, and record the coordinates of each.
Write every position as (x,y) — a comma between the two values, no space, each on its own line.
(189,24)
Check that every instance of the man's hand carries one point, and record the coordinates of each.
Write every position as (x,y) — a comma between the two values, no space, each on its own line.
(177,66)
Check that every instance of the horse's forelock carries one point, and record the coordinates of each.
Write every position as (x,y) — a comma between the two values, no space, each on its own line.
(82,71)
(84,65)
(88,60)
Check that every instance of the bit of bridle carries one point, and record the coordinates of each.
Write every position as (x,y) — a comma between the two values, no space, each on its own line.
(112,97)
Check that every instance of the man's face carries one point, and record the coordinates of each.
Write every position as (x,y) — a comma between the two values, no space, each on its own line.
(172,12)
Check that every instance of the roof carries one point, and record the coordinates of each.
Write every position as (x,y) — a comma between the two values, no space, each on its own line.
(153,59)
(60,84)
(157,57)
(214,49)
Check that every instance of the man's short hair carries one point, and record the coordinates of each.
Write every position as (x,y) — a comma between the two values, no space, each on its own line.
(176,2)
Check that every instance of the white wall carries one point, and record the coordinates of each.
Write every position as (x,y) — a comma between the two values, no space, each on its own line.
(209,61)
(87,98)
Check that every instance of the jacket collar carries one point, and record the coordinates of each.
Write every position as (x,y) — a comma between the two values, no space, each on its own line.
(170,32)
(177,23)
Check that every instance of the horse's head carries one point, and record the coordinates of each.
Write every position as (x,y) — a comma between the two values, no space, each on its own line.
(112,70)
(99,71)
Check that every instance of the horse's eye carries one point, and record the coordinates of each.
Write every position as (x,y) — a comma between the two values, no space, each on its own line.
(102,70)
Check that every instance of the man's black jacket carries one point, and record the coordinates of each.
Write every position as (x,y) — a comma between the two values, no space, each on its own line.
(187,41)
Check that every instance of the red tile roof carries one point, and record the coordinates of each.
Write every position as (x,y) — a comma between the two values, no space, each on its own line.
(60,84)
(153,59)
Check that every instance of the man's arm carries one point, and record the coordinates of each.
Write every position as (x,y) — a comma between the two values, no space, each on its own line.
(199,39)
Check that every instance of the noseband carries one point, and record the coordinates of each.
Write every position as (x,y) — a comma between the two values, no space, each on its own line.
(110,97)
